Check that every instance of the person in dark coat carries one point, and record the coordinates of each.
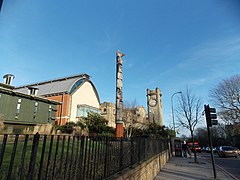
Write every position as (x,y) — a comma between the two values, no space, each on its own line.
(184,148)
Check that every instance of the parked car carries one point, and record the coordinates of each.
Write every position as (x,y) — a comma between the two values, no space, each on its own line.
(197,149)
(227,151)
(208,150)
(216,149)
(205,149)
(237,150)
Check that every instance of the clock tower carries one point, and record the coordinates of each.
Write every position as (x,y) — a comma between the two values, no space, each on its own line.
(154,104)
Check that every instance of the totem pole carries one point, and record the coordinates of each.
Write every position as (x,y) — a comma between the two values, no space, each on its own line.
(119,98)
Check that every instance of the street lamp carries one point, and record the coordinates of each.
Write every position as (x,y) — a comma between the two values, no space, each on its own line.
(172,109)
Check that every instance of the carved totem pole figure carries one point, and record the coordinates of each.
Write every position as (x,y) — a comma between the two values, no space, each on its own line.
(119,98)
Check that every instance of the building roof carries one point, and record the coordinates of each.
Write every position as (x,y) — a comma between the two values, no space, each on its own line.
(55,86)
(66,85)
(9,91)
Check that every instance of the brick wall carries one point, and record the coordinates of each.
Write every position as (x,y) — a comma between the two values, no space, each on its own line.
(63,110)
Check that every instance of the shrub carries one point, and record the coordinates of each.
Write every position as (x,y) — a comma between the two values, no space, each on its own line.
(67,128)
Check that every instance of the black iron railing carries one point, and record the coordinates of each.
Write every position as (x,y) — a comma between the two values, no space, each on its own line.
(71,157)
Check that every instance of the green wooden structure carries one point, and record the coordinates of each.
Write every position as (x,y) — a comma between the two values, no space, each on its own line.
(23,109)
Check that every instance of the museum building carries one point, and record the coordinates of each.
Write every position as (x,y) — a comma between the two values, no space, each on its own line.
(77,96)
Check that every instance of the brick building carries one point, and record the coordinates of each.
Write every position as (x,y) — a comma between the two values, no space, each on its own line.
(77,95)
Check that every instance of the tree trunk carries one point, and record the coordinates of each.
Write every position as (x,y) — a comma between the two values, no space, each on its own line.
(194,151)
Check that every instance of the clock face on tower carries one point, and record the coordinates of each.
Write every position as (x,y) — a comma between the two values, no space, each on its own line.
(152,102)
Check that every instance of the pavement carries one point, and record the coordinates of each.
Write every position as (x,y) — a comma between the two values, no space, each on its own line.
(180,168)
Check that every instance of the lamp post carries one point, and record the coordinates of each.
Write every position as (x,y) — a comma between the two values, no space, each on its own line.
(173,110)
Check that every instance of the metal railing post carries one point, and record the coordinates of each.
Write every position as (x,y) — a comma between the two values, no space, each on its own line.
(132,151)
(66,159)
(42,157)
(3,149)
(106,157)
(13,156)
(49,157)
(80,164)
(21,165)
(61,158)
(55,157)
(33,156)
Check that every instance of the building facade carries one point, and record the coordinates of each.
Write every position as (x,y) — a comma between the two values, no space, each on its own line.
(108,112)
(135,117)
(26,110)
(154,103)
(77,96)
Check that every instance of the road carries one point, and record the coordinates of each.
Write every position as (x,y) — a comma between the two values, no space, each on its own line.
(231,165)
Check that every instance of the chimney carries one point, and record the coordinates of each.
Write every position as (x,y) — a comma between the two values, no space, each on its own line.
(32,90)
(8,78)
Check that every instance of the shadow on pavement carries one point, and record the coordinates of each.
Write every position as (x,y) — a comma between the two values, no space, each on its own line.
(186,169)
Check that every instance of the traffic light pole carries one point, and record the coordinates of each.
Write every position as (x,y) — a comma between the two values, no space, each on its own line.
(211,148)
(208,119)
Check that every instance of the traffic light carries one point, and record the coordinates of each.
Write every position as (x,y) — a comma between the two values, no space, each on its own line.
(211,116)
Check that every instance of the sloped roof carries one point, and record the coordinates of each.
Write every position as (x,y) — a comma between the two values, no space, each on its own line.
(5,90)
(56,86)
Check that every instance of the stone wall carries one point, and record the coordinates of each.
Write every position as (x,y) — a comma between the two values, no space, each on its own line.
(146,170)
(42,129)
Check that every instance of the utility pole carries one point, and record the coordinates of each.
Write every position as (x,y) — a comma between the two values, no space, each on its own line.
(119,97)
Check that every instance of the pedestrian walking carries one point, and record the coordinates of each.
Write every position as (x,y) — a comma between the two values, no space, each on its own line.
(189,152)
(184,149)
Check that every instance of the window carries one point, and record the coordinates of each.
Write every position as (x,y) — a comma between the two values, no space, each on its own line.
(76,85)
(104,110)
(49,112)
(18,108)
(35,110)
(82,110)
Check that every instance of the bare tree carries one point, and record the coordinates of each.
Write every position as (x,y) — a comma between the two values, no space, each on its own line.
(132,118)
(218,136)
(226,97)
(189,112)
(129,117)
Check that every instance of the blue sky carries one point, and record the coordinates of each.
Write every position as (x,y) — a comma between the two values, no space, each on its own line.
(168,44)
